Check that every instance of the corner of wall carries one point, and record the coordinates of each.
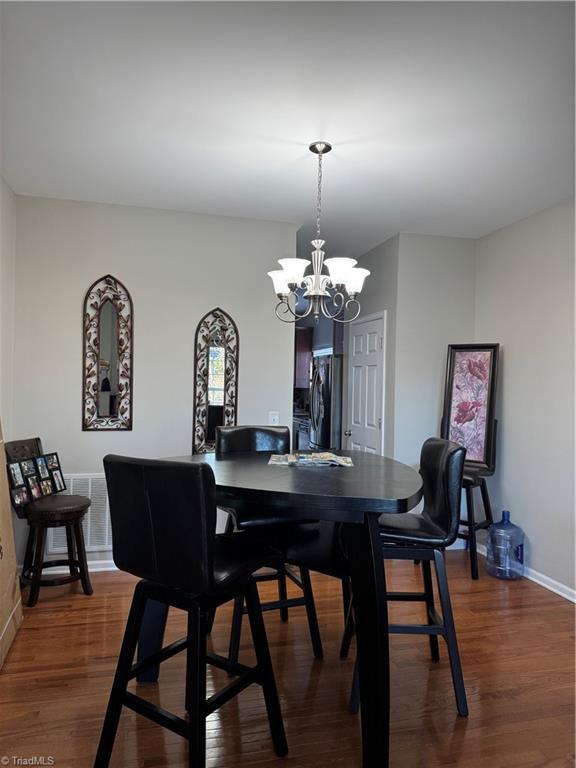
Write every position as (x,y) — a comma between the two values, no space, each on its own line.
(7,294)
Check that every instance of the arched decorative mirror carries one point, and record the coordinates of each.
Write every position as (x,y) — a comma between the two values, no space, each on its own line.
(215,378)
(107,358)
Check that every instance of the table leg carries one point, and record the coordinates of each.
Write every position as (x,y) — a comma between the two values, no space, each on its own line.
(364,553)
(151,637)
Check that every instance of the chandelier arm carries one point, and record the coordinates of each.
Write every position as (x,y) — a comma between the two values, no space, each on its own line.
(349,319)
(288,310)
(337,299)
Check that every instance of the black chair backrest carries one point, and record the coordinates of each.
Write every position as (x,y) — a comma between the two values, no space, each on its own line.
(20,450)
(163,517)
(252,439)
(441,467)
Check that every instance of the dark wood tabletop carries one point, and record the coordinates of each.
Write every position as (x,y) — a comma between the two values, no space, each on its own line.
(374,484)
(353,496)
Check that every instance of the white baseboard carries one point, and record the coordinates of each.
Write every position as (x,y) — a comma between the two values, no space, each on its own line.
(544,581)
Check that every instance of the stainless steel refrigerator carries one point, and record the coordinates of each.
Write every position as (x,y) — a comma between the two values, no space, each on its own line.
(326,403)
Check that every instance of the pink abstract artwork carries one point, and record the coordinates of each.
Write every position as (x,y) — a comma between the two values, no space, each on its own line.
(470,382)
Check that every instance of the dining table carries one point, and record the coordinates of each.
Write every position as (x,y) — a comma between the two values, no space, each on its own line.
(354,496)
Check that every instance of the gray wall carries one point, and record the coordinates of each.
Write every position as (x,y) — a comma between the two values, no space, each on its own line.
(435,308)
(525,300)
(7,266)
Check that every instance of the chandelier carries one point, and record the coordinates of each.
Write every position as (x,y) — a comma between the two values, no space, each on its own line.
(334,294)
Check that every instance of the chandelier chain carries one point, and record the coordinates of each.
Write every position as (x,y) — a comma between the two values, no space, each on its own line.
(319,198)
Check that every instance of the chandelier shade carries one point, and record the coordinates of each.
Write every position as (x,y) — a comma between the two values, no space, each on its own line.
(337,290)
(294,269)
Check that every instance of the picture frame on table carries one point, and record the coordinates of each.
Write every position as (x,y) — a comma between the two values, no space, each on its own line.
(58,480)
(34,487)
(469,401)
(52,461)
(42,468)
(16,476)
(28,467)
(46,487)
(20,496)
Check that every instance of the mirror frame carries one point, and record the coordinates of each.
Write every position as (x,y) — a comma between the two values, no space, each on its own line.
(216,328)
(107,288)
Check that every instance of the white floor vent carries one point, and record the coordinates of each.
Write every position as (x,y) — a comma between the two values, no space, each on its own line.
(97,529)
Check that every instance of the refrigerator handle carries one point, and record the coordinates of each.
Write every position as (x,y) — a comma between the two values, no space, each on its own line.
(314,399)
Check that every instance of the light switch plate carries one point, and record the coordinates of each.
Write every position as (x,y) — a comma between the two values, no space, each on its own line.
(273,418)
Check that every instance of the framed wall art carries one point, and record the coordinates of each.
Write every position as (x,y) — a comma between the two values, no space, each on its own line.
(469,401)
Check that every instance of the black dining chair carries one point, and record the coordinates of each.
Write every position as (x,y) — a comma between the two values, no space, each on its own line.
(424,537)
(164,531)
(262,524)
(406,537)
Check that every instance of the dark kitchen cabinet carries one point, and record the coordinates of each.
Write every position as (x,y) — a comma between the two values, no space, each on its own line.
(302,357)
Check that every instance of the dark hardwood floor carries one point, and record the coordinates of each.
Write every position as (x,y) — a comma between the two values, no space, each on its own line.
(517,647)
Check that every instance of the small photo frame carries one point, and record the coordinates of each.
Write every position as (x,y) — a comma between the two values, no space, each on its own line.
(46,487)
(58,480)
(28,467)
(19,496)
(34,487)
(16,476)
(42,468)
(52,461)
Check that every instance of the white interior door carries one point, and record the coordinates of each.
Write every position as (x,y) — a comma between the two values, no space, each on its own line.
(365,430)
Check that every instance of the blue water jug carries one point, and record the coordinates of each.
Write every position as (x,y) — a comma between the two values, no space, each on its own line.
(505,549)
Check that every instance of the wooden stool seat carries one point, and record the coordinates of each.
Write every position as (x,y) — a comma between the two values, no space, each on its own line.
(57,509)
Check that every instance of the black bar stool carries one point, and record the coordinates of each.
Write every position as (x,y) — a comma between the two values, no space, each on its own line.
(424,537)
(53,511)
(163,530)
(260,523)
(475,477)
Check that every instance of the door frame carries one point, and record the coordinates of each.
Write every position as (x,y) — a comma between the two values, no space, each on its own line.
(382,315)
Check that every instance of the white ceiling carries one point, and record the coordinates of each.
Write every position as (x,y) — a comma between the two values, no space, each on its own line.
(447,118)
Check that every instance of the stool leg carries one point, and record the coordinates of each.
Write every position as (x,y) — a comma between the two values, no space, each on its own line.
(348,634)
(81,549)
(29,555)
(346,596)
(311,614)
(121,677)
(236,629)
(71,550)
(429,592)
(486,500)
(211,615)
(266,672)
(471,533)
(282,592)
(450,636)
(40,539)
(196,686)
(354,703)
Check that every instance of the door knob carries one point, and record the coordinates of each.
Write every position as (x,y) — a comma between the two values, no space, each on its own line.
(348,433)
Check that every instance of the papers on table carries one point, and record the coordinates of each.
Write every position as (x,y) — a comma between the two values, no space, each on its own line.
(325,459)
